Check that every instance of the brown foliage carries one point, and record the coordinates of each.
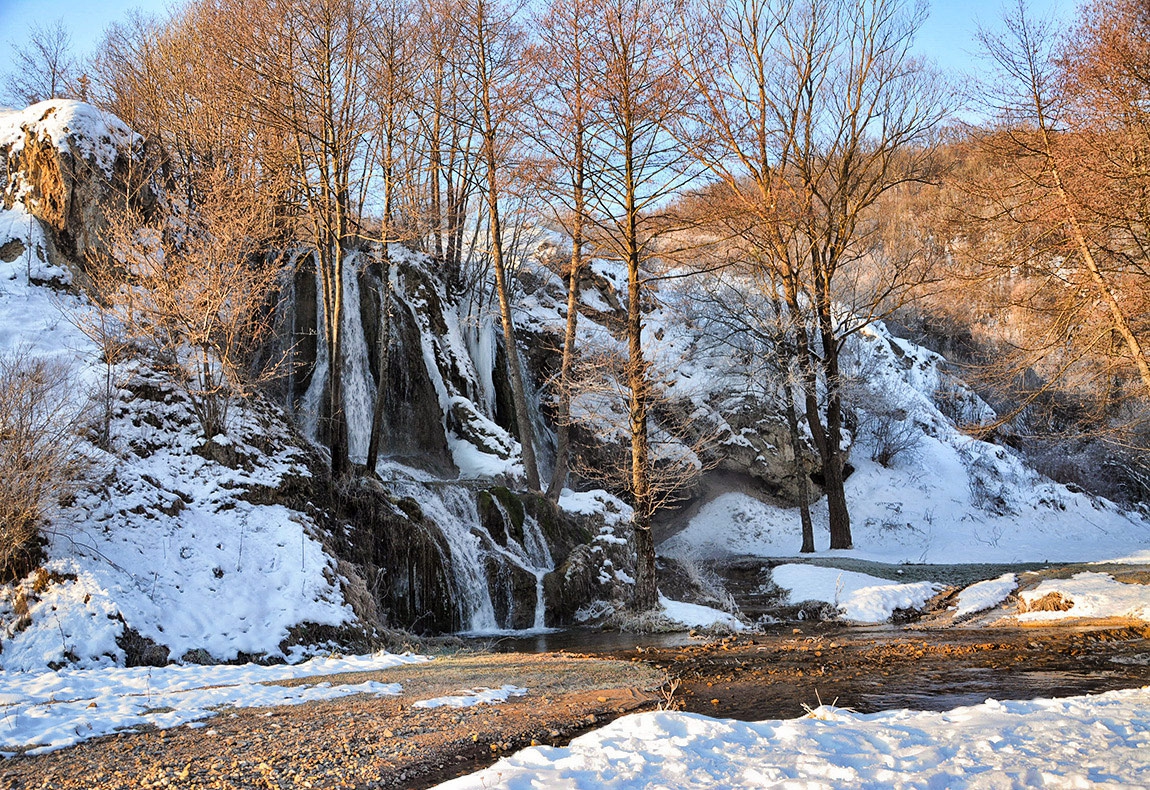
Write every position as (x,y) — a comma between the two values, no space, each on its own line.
(192,289)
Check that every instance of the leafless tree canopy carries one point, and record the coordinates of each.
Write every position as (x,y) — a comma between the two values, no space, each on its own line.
(45,67)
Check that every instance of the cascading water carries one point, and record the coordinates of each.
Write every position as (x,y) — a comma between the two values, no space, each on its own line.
(358,383)
(312,401)
(452,509)
(540,552)
(533,555)
(479,564)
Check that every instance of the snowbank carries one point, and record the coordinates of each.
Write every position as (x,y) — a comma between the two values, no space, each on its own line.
(860,598)
(73,127)
(471,697)
(695,615)
(1095,595)
(1097,741)
(985,595)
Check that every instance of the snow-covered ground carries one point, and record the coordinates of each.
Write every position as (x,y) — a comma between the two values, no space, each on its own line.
(48,711)
(1098,741)
(948,498)
(163,540)
(862,598)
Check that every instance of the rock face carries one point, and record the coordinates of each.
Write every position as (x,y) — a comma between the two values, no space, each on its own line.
(68,163)
(707,403)
(438,538)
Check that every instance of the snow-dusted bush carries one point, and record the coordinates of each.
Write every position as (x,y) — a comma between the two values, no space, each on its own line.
(40,462)
(890,434)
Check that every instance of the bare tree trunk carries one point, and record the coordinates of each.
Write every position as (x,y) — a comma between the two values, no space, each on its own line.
(489,131)
(833,456)
(646,592)
(808,528)
(563,415)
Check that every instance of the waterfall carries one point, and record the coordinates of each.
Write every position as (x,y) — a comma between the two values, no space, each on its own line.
(533,555)
(358,383)
(453,510)
(540,552)
(545,439)
(540,623)
(312,402)
(489,579)
(481,345)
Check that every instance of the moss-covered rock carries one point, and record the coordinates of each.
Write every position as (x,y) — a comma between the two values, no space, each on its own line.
(562,531)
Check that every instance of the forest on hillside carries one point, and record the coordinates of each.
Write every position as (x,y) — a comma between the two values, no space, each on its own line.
(791,157)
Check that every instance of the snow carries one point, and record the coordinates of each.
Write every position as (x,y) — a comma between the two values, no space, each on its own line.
(694,615)
(1095,741)
(985,595)
(48,711)
(949,499)
(1096,595)
(163,541)
(860,597)
(95,135)
(585,503)
(470,697)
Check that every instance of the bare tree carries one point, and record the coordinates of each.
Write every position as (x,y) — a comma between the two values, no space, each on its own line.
(1034,107)
(393,63)
(40,457)
(815,111)
(44,67)
(444,183)
(564,104)
(191,290)
(301,68)
(635,165)
(496,45)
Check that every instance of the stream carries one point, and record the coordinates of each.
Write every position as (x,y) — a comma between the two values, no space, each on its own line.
(781,673)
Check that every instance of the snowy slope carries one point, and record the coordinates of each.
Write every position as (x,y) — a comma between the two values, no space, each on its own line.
(172,545)
(947,497)
(950,499)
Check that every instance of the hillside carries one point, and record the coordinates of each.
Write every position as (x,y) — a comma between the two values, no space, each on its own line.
(179,548)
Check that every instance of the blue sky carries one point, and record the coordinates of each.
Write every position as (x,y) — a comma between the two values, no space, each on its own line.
(947,37)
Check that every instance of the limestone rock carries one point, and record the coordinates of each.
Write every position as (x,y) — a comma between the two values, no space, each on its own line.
(67,162)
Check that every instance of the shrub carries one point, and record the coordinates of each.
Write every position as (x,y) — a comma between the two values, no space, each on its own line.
(40,462)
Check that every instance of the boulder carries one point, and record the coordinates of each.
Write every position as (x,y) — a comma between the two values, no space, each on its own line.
(69,164)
